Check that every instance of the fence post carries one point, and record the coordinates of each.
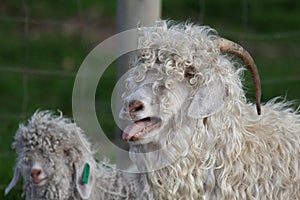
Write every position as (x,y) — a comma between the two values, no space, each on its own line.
(129,14)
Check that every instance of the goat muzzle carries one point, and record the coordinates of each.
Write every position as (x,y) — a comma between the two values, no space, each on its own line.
(36,176)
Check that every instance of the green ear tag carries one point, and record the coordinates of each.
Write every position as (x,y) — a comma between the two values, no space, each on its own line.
(86,173)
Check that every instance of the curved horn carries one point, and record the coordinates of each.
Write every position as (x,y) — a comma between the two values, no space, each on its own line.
(233,48)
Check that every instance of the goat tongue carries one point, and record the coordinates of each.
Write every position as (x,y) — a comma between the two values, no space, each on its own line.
(134,128)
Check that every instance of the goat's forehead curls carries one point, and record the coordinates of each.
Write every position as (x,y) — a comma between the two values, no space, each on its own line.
(191,42)
(177,50)
(46,131)
(182,38)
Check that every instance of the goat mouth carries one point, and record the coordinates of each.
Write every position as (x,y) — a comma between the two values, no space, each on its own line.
(39,181)
(138,129)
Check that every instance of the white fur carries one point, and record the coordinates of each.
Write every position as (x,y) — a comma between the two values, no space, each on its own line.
(57,147)
(224,150)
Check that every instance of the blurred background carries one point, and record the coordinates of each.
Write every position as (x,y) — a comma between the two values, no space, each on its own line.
(43,43)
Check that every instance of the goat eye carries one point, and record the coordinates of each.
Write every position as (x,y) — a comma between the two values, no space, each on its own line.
(66,152)
(189,75)
(190,72)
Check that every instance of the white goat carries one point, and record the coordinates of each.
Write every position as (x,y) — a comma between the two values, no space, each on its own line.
(187,106)
(56,162)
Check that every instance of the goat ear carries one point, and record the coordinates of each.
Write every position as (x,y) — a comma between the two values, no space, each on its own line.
(207,101)
(85,178)
(14,180)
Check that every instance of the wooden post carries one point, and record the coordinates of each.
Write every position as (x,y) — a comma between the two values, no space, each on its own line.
(131,13)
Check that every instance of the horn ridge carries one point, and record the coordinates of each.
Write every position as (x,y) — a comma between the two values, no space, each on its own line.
(228,46)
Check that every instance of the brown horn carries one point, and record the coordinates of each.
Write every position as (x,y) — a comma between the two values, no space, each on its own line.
(233,48)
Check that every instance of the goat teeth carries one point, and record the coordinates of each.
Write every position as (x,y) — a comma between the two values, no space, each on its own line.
(140,133)
(145,130)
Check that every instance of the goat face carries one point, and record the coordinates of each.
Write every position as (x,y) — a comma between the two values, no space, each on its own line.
(162,93)
(42,174)
(53,173)
(152,105)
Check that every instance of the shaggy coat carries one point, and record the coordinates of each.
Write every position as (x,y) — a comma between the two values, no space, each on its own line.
(188,107)
(52,153)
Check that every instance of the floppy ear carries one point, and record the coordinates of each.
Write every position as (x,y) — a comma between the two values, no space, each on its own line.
(85,177)
(207,101)
(14,180)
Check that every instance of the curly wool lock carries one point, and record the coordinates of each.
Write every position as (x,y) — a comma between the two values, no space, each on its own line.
(224,149)
(52,155)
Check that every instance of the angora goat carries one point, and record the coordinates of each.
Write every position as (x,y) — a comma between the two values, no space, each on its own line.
(186,104)
(57,163)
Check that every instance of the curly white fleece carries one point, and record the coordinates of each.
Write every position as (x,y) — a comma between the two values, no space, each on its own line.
(57,143)
(232,154)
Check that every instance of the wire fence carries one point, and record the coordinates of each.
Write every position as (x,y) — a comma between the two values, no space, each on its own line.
(23,73)
(27,71)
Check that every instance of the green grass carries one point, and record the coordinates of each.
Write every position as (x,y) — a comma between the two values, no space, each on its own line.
(279,77)
(54,43)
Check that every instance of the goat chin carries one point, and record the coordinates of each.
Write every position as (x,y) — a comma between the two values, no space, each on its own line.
(164,146)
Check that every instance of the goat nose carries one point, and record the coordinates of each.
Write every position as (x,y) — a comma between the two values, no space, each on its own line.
(35,173)
(135,106)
